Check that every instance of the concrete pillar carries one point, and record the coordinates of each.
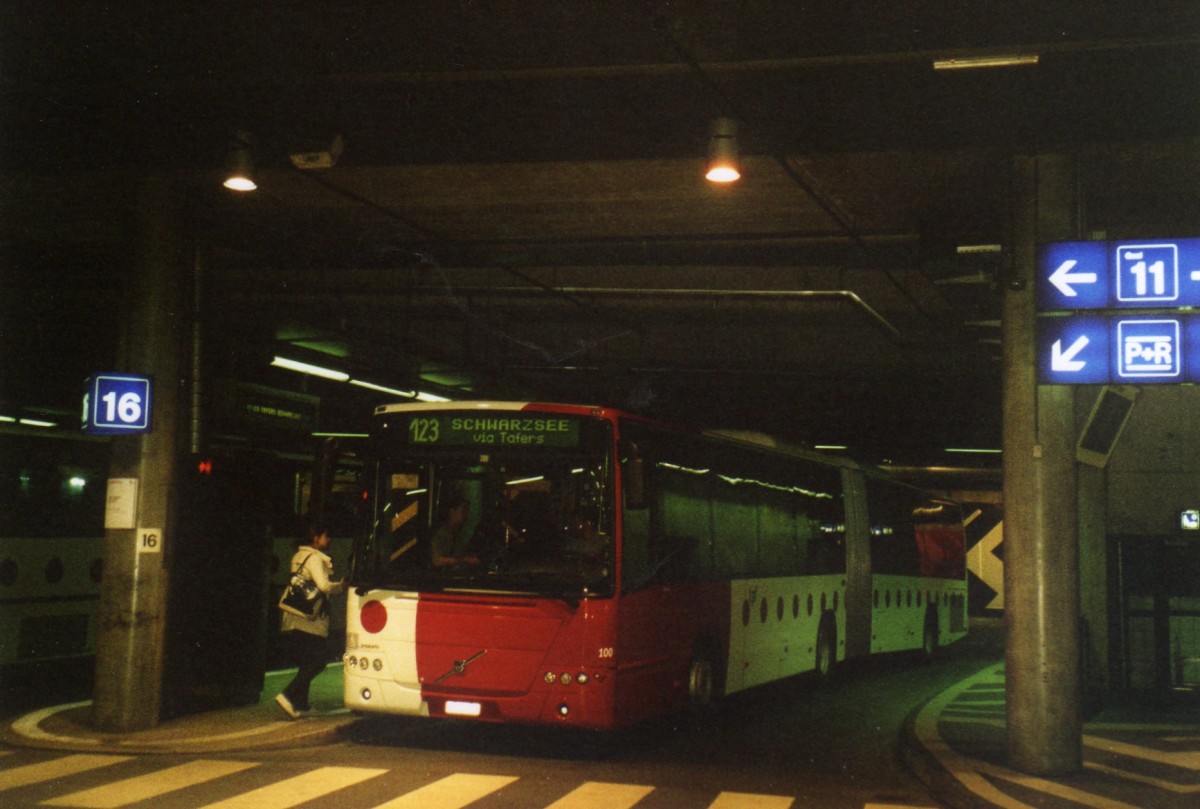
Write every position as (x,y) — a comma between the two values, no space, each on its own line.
(1094,599)
(133,592)
(1041,550)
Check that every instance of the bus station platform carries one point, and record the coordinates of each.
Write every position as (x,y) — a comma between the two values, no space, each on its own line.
(1143,753)
(258,726)
(1138,755)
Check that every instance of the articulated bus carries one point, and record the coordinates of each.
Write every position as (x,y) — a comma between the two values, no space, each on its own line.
(580,566)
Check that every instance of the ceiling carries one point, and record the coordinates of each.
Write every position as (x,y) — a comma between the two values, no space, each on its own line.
(518,209)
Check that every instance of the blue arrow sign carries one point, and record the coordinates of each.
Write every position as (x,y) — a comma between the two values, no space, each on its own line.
(117,404)
(1074,350)
(1150,273)
(1094,349)
(1073,275)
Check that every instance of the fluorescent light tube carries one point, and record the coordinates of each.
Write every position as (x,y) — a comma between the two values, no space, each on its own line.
(306,368)
(409,394)
(1000,60)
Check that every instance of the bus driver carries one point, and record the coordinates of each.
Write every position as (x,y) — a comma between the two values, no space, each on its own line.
(448,545)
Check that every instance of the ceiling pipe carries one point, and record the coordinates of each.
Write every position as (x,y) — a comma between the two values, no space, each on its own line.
(578,296)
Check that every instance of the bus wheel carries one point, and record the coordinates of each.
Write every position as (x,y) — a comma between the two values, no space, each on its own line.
(701,686)
(826,661)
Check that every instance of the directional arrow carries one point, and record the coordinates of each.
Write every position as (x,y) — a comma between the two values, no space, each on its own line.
(1065,360)
(1063,278)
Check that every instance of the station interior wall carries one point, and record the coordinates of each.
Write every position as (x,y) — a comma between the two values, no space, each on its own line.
(1152,476)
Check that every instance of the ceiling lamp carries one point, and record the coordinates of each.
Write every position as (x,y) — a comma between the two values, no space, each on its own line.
(723,166)
(240,176)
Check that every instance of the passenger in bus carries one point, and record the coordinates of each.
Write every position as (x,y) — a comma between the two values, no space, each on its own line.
(448,546)
(307,639)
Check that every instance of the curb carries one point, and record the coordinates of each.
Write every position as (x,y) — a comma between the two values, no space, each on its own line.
(932,760)
(64,727)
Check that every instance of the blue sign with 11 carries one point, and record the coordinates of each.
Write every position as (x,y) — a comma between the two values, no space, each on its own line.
(1152,273)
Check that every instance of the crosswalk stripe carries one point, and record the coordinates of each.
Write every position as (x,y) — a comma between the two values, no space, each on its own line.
(1185,759)
(598,795)
(152,785)
(745,800)
(57,768)
(451,792)
(293,791)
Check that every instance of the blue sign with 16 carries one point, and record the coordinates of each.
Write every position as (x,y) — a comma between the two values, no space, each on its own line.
(117,404)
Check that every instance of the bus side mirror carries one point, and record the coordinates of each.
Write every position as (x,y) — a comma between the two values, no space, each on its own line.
(633,481)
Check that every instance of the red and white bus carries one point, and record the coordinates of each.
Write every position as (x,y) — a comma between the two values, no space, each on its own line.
(573,565)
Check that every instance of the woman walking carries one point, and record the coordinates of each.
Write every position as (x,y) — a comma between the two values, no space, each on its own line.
(307,638)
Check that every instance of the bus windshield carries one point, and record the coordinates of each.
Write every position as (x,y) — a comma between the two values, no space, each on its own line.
(516,503)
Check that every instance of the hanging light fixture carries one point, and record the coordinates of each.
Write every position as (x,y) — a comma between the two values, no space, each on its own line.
(240,176)
(723,165)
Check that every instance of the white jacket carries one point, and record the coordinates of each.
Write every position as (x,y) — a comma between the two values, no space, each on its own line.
(320,570)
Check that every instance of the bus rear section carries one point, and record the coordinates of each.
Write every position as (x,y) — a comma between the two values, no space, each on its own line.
(918,566)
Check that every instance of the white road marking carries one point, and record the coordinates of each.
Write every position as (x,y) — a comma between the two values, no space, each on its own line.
(151,785)
(54,769)
(1089,799)
(452,792)
(1186,759)
(1169,786)
(28,725)
(293,791)
(743,800)
(597,795)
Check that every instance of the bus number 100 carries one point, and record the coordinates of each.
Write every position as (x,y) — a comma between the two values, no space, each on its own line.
(424,431)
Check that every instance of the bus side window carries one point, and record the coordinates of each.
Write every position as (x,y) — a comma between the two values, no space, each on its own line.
(894,547)
(633,477)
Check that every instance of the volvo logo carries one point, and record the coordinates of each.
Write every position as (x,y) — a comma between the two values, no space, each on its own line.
(460,666)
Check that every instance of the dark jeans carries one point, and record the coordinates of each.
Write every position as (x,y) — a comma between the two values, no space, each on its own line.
(311,653)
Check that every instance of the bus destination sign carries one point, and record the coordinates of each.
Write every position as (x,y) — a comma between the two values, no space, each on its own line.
(498,430)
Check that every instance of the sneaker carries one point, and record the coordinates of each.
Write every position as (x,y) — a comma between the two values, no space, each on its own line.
(286,704)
